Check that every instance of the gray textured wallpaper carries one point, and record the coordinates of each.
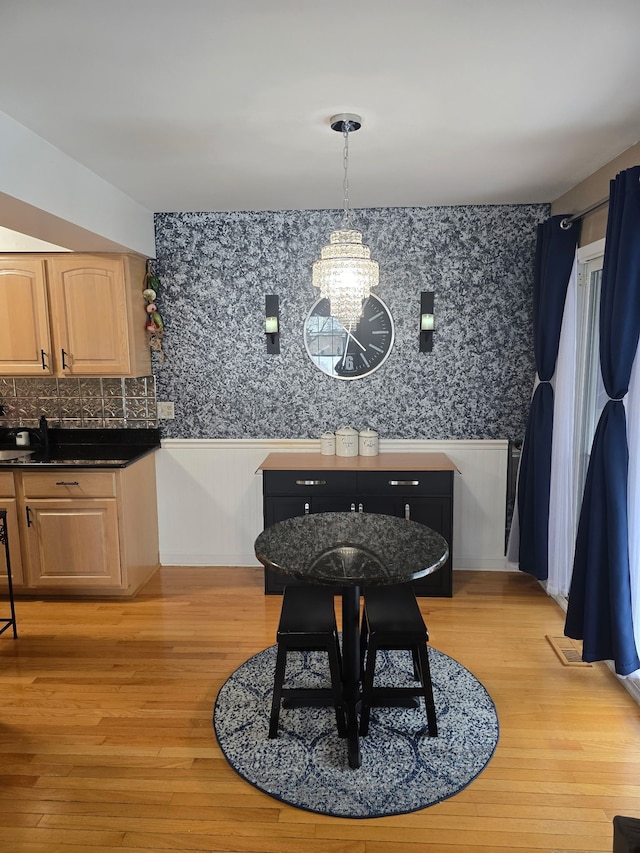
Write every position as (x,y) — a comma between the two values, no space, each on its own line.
(215,269)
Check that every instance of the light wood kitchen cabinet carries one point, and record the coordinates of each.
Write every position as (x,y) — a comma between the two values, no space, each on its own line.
(73,315)
(71,529)
(8,502)
(87,532)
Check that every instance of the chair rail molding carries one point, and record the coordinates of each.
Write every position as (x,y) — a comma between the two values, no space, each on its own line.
(210,497)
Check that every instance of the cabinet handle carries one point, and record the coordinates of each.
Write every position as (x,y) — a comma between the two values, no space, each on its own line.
(407,511)
(44,363)
(360,508)
(353,507)
(28,516)
(404,482)
(65,483)
(65,366)
(306,509)
(311,482)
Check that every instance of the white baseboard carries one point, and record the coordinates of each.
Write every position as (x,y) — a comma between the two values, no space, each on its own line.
(235,561)
(479,564)
(249,561)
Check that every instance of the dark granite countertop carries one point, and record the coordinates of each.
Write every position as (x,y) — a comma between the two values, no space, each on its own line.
(82,448)
(351,549)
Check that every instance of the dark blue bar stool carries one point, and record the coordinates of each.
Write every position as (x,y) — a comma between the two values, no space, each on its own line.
(392,620)
(4,540)
(307,624)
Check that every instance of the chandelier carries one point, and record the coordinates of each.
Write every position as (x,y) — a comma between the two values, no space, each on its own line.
(345,272)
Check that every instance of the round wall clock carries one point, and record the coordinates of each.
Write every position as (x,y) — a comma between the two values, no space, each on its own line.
(349,355)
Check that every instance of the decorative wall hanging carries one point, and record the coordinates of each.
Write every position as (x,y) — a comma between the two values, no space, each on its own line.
(154,324)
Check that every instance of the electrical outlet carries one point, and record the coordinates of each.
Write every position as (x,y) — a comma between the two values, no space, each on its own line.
(166,411)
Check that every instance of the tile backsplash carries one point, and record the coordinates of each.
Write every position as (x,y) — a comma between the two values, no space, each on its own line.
(71,402)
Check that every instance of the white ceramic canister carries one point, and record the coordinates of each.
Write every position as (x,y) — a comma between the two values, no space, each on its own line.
(22,439)
(368,442)
(346,441)
(328,444)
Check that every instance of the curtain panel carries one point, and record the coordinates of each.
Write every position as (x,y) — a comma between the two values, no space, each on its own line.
(555,255)
(599,610)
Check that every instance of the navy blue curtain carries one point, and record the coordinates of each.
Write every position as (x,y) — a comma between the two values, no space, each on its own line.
(599,610)
(555,254)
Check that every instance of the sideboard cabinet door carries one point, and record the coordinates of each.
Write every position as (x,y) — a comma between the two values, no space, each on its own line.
(280,507)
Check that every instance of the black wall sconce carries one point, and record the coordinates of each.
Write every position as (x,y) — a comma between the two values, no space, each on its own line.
(272,324)
(426,321)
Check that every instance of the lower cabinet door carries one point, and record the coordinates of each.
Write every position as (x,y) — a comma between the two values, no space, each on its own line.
(73,543)
(9,504)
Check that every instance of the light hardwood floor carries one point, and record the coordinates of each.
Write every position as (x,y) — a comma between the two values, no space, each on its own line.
(106,740)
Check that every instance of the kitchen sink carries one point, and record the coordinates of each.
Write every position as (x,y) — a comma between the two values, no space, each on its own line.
(14,455)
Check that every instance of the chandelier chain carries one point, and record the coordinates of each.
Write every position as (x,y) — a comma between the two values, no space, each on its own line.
(345,181)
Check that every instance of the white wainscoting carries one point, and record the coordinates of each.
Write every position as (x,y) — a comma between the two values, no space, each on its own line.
(210,498)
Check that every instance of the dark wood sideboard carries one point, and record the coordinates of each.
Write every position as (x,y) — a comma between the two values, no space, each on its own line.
(414,485)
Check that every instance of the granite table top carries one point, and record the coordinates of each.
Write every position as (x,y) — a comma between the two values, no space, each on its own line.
(351,549)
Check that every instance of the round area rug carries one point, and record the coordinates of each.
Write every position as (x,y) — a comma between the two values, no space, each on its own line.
(403,769)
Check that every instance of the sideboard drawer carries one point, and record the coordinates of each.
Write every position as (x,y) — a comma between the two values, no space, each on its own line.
(405,482)
(309,482)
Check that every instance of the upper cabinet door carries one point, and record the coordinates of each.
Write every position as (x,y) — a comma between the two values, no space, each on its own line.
(73,315)
(88,299)
(25,340)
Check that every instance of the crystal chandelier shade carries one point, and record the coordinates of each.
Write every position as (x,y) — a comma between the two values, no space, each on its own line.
(345,275)
(345,272)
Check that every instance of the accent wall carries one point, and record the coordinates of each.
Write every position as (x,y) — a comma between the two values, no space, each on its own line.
(216,268)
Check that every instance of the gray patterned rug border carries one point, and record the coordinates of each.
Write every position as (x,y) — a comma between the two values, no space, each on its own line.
(402,770)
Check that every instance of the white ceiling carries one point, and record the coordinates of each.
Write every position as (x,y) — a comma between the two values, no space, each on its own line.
(224,104)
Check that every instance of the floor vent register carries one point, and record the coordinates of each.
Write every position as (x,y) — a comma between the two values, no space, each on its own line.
(569,651)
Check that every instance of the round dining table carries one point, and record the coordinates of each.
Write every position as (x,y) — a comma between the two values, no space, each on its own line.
(351,550)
